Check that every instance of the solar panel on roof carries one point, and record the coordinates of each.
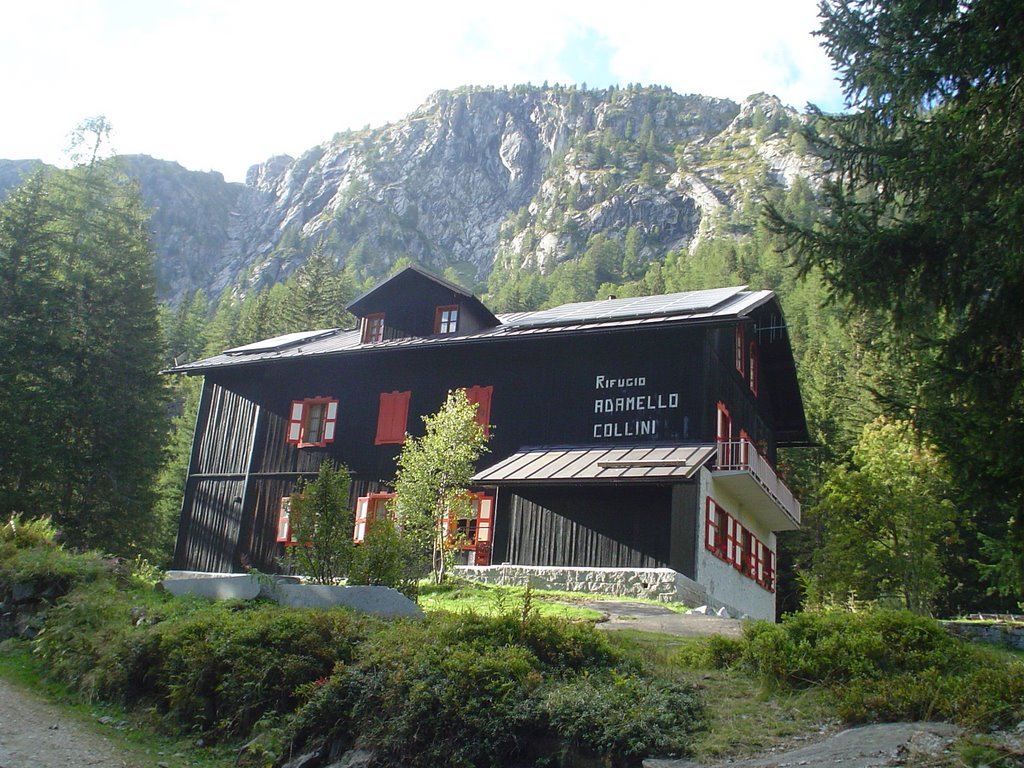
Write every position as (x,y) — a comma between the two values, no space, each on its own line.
(280,342)
(642,306)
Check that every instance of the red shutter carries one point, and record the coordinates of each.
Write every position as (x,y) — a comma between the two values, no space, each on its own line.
(481,397)
(284,526)
(735,542)
(330,420)
(392,417)
(362,509)
(484,519)
(295,422)
(710,529)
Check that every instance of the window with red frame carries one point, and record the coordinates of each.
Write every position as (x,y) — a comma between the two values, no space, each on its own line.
(369,509)
(311,422)
(473,528)
(481,397)
(740,349)
(373,328)
(754,366)
(446,319)
(727,539)
(392,417)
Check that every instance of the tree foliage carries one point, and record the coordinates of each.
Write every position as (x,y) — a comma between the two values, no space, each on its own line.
(887,518)
(433,478)
(924,220)
(81,400)
(321,524)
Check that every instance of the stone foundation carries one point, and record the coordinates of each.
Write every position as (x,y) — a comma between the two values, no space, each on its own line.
(662,584)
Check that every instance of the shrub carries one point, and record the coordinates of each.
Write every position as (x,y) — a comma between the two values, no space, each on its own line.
(385,559)
(888,665)
(622,718)
(832,647)
(321,523)
(28,533)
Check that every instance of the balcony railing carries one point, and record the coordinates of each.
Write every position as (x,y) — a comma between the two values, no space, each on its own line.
(740,459)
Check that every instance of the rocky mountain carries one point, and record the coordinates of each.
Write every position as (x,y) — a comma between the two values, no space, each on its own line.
(473,180)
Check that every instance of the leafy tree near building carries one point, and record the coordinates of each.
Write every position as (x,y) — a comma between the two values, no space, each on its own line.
(886,519)
(924,222)
(82,404)
(433,477)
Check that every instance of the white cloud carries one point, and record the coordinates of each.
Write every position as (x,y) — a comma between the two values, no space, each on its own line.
(220,84)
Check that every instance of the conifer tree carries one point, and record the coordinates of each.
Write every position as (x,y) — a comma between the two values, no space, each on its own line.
(83,415)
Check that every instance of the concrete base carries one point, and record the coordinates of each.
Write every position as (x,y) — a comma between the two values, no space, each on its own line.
(287,590)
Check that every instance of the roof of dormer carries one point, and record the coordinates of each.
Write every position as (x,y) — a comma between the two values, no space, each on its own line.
(411,282)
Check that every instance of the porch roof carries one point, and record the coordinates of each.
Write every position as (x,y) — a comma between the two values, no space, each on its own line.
(604,464)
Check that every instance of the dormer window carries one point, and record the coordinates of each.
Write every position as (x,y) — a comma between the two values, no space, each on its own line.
(373,328)
(446,319)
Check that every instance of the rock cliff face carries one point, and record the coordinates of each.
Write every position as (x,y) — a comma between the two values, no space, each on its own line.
(472,178)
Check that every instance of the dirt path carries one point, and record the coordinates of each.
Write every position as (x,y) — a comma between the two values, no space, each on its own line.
(37,734)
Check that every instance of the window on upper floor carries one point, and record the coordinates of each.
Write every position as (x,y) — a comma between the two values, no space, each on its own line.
(311,422)
(373,328)
(446,319)
(481,396)
(392,417)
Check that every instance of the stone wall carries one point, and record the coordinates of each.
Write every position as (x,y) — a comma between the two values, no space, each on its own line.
(649,583)
(997,633)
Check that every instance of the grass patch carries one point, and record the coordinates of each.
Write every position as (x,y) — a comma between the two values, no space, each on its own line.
(490,600)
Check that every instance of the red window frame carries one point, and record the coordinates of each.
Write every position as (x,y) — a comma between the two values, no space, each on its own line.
(392,417)
(740,349)
(300,421)
(755,362)
(481,397)
(369,508)
(446,319)
(373,328)
(732,542)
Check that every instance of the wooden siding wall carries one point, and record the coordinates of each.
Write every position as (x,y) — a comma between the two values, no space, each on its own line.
(211,516)
(607,528)
(241,469)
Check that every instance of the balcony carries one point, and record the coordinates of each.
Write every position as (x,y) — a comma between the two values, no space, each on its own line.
(748,476)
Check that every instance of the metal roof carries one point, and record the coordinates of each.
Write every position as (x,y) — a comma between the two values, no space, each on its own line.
(616,464)
(737,303)
(641,306)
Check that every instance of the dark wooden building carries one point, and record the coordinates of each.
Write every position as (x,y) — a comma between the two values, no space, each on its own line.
(625,433)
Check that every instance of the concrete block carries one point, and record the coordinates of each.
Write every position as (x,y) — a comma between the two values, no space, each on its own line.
(225,586)
(378,601)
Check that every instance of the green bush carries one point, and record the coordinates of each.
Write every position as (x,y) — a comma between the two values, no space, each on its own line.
(622,718)
(471,690)
(223,669)
(888,665)
(833,647)
(386,559)
(28,533)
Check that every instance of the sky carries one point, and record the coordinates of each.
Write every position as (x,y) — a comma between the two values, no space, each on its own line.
(225,84)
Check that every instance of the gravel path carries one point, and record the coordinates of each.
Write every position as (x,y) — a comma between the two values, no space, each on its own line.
(36,734)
